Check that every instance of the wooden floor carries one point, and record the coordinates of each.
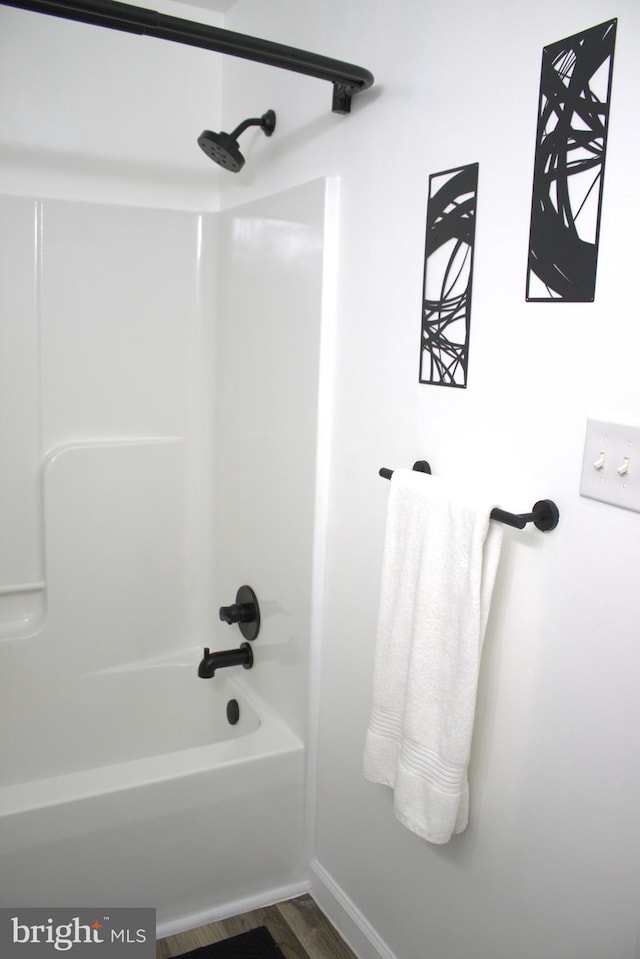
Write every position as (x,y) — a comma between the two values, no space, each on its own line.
(301,930)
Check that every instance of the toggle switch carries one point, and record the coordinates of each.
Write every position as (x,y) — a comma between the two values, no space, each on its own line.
(616,483)
(624,469)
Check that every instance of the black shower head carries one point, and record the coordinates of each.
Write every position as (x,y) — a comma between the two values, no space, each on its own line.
(223,148)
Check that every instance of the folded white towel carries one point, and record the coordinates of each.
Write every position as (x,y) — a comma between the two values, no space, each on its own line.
(440,558)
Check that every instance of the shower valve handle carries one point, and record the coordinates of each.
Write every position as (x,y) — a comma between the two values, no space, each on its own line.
(245,612)
(238,613)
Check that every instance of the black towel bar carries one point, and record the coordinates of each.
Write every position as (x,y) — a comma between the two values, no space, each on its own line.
(544,515)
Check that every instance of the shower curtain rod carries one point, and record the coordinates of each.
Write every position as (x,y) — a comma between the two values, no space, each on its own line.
(347,78)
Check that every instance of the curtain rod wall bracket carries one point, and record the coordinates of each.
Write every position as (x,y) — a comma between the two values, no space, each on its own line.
(347,78)
(341,101)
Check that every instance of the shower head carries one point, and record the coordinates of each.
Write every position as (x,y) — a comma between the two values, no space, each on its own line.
(223,148)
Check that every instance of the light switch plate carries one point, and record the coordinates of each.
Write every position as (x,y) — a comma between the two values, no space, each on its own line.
(611,464)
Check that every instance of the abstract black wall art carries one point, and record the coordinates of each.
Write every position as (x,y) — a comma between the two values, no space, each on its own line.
(448,271)
(571,141)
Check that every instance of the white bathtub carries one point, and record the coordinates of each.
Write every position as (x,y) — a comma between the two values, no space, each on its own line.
(179,810)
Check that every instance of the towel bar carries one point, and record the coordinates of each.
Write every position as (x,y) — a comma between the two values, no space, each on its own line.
(544,514)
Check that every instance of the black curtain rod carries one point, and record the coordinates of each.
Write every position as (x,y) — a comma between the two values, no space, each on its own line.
(544,515)
(347,78)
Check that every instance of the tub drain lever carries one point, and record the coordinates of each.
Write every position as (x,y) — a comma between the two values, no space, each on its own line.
(245,612)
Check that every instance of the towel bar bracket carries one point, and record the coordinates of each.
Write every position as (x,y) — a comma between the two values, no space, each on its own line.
(420,466)
(546,515)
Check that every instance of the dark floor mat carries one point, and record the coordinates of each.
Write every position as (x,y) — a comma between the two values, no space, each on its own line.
(255,944)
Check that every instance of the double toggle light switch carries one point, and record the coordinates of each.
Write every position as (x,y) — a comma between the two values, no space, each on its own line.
(611,465)
(601,462)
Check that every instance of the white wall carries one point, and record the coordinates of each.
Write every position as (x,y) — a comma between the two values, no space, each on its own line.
(549,865)
(93,114)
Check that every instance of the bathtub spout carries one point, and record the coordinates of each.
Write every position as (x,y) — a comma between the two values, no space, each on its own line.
(225,657)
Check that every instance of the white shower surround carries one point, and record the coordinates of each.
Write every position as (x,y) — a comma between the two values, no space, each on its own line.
(172,430)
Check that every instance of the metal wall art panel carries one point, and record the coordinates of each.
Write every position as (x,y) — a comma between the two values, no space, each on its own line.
(571,141)
(448,272)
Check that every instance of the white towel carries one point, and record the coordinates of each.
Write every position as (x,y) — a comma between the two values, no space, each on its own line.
(440,558)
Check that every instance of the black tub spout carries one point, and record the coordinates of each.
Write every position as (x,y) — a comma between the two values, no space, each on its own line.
(225,657)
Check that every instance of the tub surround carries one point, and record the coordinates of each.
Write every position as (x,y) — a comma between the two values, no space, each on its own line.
(147,355)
